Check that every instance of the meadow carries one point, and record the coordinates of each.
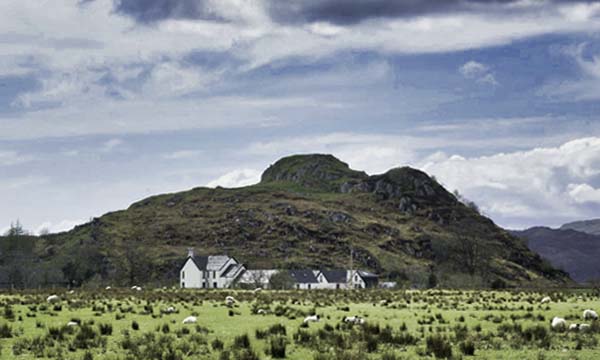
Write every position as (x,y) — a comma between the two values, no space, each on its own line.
(402,324)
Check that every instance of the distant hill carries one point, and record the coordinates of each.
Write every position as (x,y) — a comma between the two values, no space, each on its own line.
(586,226)
(307,211)
(576,252)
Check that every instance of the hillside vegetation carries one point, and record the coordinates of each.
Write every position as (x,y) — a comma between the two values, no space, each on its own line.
(307,211)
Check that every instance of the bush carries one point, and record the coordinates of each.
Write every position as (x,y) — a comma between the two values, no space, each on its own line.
(217,344)
(5,331)
(241,342)
(467,348)
(438,346)
(277,347)
(105,329)
(88,356)
(135,325)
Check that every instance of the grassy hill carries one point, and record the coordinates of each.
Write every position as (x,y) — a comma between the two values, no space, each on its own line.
(307,211)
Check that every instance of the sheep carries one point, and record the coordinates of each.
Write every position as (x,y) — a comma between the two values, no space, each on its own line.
(107,288)
(257,290)
(574,327)
(546,300)
(72,323)
(590,315)
(383,302)
(229,300)
(311,318)
(558,323)
(53,299)
(71,292)
(190,320)
(261,312)
(585,327)
(169,310)
(136,288)
(354,320)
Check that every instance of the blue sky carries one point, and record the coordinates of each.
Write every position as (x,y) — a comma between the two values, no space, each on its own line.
(104,102)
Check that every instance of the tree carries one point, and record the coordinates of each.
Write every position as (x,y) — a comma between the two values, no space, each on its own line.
(16,229)
(470,254)
(281,281)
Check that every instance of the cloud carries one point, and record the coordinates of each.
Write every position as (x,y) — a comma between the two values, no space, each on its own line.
(182,154)
(587,87)
(55,227)
(8,158)
(477,71)
(520,188)
(110,145)
(236,178)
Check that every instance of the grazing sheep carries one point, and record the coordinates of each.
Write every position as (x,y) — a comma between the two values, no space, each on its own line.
(107,288)
(190,320)
(170,310)
(546,300)
(229,300)
(257,290)
(53,299)
(354,320)
(72,323)
(261,312)
(558,323)
(136,288)
(574,327)
(311,318)
(71,292)
(383,302)
(590,315)
(585,327)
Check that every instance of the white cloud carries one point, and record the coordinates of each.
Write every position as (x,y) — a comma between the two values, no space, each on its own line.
(55,227)
(529,185)
(111,144)
(584,193)
(236,178)
(182,154)
(477,71)
(8,158)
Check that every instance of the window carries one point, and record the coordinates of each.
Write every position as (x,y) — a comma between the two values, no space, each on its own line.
(355,278)
(297,286)
(308,286)
(337,286)
(203,285)
(214,274)
(215,285)
(183,274)
(183,284)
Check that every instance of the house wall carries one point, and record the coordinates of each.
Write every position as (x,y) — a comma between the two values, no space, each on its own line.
(190,276)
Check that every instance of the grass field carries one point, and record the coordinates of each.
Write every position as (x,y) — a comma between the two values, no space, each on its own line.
(125,324)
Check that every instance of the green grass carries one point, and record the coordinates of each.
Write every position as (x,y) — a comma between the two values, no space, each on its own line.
(489,317)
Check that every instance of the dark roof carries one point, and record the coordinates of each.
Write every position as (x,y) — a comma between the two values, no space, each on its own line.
(366,274)
(200,261)
(335,276)
(303,276)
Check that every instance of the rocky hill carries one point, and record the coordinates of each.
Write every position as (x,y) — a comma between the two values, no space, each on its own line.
(307,211)
(575,252)
(586,226)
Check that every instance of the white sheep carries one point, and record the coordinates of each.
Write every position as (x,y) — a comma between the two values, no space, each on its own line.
(170,310)
(311,318)
(383,302)
(546,300)
(585,327)
(53,299)
(107,288)
(558,323)
(354,320)
(574,327)
(136,288)
(72,323)
(229,300)
(71,292)
(257,290)
(190,320)
(590,315)
(261,312)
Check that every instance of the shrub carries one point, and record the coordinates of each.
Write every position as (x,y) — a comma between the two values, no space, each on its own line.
(105,329)
(135,325)
(217,344)
(5,331)
(277,347)
(241,342)
(88,356)
(438,346)
(467,348)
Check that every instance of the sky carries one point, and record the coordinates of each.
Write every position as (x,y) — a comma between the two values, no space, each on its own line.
(105,102)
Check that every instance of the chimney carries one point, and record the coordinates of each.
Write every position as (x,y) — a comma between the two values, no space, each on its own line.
(190,252)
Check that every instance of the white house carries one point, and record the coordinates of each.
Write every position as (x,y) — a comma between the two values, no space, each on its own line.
(257,278)
(345,279)
(209,272)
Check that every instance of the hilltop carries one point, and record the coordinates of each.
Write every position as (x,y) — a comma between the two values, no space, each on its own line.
(574,251)
(307,211)
(591,227)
